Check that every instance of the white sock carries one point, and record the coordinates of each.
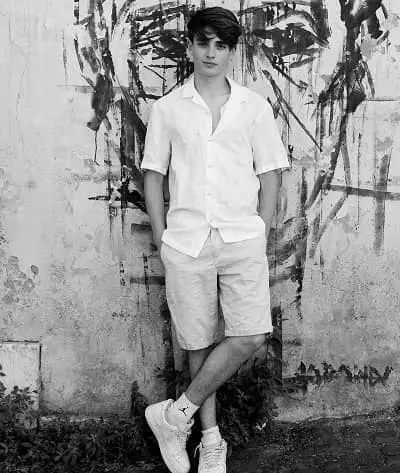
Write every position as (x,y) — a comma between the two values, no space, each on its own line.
(211,436)
(182,410)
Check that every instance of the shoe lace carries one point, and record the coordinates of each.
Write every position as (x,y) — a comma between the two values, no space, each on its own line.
(211,455)
(182,436)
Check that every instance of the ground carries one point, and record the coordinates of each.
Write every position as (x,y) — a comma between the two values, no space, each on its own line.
(368,444)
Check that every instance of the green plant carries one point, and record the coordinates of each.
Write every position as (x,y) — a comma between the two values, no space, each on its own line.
(15,405)
(15,414)
(64,444)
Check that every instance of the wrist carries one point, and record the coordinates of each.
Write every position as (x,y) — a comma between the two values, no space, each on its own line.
(157,237)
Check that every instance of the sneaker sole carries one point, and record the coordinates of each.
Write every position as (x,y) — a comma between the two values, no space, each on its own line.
(154,428)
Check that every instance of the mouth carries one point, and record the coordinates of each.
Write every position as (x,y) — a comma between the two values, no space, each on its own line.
(209,63)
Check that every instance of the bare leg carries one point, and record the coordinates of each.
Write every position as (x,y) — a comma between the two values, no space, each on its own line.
(207,410)
(224,360)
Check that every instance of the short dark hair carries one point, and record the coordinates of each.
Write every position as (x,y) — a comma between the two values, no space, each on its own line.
(222,21)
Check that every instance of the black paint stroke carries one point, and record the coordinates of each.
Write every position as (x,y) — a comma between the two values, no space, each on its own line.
(321,227)
(286,108)
(362,192)
(305,377)
(169,374)
(90,56)
(99,4)
(123,12)
(65,59)
(146,279)
(355,12)
(107,60)
(380,202)
(113,16)
(76,11)
(122,280)
(78,55)
(102,97)
(301,249)
(91,24)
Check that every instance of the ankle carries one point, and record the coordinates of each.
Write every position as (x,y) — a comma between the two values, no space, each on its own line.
(211,436)
(181,411)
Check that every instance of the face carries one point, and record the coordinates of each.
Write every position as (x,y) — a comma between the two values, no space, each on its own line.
(210,55)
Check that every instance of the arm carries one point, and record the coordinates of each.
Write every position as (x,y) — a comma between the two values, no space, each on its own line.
(155,163)
(269,188)
(270,157)
(154,198)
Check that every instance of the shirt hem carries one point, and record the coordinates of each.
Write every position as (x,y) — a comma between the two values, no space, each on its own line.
(154,168)
(273,167)
(192,254)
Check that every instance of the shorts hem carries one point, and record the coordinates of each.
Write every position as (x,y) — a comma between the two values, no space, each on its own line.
(243,333)
(197,346)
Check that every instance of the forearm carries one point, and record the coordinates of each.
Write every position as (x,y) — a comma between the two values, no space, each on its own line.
(269,189)
(154,198)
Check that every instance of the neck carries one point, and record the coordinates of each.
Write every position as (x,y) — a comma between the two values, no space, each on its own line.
(211,86)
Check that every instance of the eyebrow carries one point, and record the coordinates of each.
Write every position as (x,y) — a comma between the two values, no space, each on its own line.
(205,38)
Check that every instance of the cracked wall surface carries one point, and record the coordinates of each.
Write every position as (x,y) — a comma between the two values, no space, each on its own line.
(77,268)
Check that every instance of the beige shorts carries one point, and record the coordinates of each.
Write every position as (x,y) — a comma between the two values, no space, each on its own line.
(233,276)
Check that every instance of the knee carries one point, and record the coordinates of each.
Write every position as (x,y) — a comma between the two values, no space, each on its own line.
(257,341)
(251,343)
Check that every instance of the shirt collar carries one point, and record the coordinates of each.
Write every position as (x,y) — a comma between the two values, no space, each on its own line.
(238,93)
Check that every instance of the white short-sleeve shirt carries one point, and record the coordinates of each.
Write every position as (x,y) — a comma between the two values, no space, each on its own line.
(212,176)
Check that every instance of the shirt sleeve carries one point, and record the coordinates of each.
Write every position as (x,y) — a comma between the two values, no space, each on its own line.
(157,148)
(269,152)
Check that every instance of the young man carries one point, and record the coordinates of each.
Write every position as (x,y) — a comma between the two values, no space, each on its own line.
(220,144)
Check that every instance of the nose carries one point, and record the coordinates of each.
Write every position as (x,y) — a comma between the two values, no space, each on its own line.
(211,51)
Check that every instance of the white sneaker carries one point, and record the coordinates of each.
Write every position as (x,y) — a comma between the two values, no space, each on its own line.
(212,458)
(171,440)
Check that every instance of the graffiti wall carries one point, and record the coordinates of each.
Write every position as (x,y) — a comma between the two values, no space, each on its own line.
(329,68)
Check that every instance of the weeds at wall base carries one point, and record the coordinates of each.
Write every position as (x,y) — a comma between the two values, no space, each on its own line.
(62,445)
(246,408)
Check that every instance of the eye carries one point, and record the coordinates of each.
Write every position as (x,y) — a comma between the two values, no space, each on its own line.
(299,34)
(222,46)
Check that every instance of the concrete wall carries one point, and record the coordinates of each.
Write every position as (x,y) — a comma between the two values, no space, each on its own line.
(81,277)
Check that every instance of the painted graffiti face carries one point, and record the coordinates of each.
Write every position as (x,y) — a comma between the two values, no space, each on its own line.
(209,54)
(316,61)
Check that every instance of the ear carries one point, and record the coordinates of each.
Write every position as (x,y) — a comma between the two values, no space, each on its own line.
(189,50)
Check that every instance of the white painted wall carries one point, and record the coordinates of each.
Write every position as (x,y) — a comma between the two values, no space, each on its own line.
(61,254)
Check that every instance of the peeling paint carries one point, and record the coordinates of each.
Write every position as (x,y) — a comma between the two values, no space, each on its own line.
(16,283)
